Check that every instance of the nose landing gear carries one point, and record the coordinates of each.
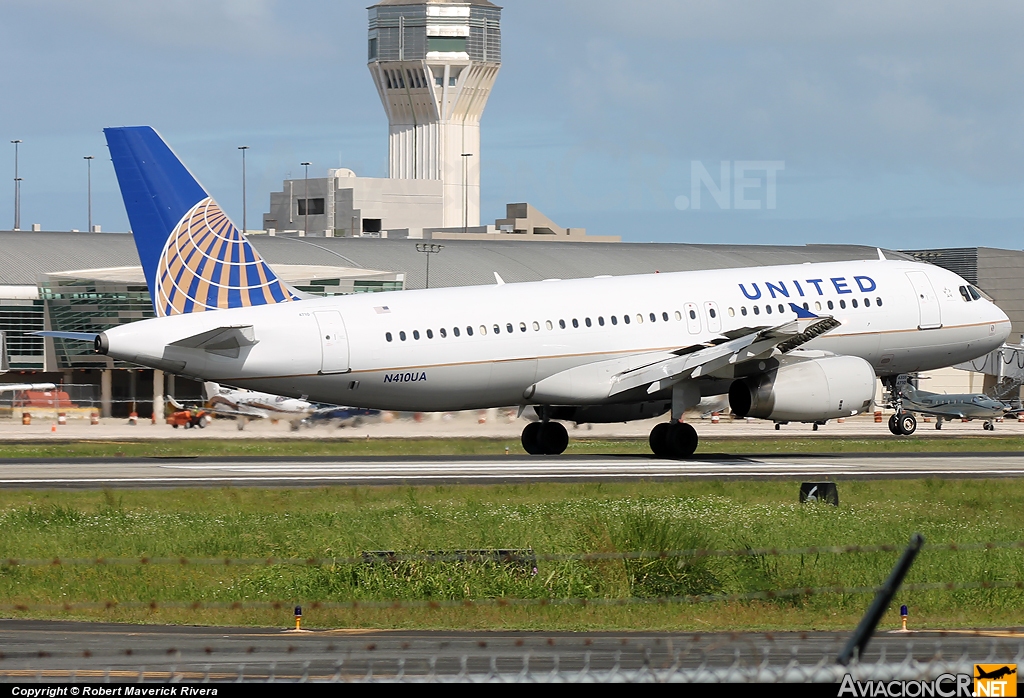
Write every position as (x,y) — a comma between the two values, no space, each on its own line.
(673,440)
(902,424)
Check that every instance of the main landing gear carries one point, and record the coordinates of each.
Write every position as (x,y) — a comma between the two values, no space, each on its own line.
(545,438)
(673,440)
(902,424)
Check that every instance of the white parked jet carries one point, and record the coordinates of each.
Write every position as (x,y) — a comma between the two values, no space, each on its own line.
(244,405)
(787,343)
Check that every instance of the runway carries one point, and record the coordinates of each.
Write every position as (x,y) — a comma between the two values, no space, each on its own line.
(55,650)
(309,472)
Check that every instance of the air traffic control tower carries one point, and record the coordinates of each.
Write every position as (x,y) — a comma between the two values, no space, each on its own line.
(434,63)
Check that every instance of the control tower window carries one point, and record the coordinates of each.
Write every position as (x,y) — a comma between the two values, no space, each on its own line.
(372,49)
(446,44)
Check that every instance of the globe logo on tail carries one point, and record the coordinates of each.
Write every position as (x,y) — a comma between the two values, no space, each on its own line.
(207,264)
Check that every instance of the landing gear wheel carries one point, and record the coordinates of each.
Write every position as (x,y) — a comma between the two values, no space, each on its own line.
(680,440)
(938,423)
(531,442)
(908,424)
(553,438)
(548,439)
(659,440)
(777,426)
(990,426)
(815,427)
(894,425)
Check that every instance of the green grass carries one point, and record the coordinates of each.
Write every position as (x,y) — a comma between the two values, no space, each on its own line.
(479,447)
(549,518)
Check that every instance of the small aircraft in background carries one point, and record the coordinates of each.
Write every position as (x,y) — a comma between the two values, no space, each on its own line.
(940,406)
(244,405)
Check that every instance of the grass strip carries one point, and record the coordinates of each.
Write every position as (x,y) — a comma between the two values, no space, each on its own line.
(552,519)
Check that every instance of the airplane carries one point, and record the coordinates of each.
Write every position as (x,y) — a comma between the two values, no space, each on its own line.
(799,343)
(248,404)
(5,367)
(995,673)
(956,406)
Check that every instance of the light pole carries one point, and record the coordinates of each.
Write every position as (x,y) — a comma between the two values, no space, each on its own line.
(88,161)
(428,248)
(17,188)
(465,191)
(243,148)
(305,201)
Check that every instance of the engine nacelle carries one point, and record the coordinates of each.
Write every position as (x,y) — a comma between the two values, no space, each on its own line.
(806,391)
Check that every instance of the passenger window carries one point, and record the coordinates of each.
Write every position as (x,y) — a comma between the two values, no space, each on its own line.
(757,310)
(575,323)
(444,333)
(483,330)
(807,308)
(615,320)
(455,331)
(536,326)
(469,330)
(401,335)
(600,320)
(854,302)
(817,305)
(743,310)
(831,305)
(522,327)
(561,323)
(693,314)
(712,313)
(732,312)
(430,334)
(679,315)
(497,329)
(549,325)
(867,302)
(587,321)
(625,319)
(415,334)
(639,319)
(768,309)
(782,308)
(878,302)
(388,336)
(654,318)
(509,327)
(664,316)
(842,304)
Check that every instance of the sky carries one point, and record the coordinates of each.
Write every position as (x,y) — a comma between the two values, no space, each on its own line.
(898,124)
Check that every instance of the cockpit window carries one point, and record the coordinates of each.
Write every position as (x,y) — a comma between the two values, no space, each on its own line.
(965,293)
(974,293)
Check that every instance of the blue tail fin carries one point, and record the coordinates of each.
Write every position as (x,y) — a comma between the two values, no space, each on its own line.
(193,256)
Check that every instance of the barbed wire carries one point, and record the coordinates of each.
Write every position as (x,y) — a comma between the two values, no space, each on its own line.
(768,595)
(511,556)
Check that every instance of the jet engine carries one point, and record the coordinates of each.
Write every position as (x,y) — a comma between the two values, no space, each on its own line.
(811,390)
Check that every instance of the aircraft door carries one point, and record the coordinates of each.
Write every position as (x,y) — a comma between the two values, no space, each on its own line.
(692,314)
(333,342)
(712,317)
(927,301)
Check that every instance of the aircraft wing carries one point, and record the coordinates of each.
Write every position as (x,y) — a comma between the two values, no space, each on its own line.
(651,373)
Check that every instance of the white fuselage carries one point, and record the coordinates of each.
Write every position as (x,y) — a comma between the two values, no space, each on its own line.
(476,347)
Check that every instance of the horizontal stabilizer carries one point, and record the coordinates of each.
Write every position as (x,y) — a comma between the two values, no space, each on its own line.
(76,336)
(223,341)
